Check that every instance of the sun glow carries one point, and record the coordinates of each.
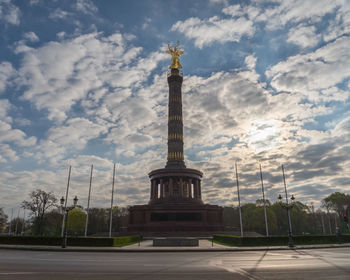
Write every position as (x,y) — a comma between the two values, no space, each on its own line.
(263,135)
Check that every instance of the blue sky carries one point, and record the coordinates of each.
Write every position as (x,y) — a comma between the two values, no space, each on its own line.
(84,82)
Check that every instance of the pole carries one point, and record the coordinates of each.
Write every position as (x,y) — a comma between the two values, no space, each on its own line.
(65,203)
(263,193)
(64,240)
(329,221)
(24,222)
(10,227)
(285,191)
(239,203)
(110,214)
(290,234)
(17,222)
(314,225)
(88,206)
(335,220)
(323,227)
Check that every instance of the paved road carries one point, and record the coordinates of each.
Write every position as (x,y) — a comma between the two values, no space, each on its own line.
(300,264)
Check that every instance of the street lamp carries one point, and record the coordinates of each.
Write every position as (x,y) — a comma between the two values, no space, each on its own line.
(67,209)
(288,206)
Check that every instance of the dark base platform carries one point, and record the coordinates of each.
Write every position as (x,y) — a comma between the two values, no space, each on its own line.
(175,217)
(175,242)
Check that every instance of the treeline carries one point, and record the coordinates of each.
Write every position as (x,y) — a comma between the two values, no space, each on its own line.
(304,219)
(46,218)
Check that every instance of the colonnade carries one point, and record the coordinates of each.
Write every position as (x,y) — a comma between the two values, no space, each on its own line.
(176,187)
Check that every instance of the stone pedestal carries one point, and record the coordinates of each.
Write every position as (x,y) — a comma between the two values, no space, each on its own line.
(175,242)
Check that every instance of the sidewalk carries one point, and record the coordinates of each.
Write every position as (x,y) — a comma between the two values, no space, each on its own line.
(146,246)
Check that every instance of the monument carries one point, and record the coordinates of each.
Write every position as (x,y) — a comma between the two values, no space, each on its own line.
(175,203)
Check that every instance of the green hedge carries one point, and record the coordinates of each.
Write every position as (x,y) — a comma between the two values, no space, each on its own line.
(126,240)
(71,241)
(280,240)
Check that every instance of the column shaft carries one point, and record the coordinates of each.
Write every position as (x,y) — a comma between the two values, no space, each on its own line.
(151,192)
(199,189)
(156,190)
(162,190)
(195,189)
(181,190)
(170,187)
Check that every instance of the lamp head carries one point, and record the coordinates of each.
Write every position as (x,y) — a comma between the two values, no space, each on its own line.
(280,198)
(62,201)
(75,201)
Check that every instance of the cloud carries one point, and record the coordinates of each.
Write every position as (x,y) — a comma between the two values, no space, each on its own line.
(6,72)
(102,99)
(250,61)
(321,69)
(7,154)
(10,135)
(244,20)
(5,106)
(342,128)
(303,36)
(297,11)
(340,24)
(59,14)
(59,74)
(75,133)
(31,36)
(218,2)
(206,31)
(86,6)
(9,13)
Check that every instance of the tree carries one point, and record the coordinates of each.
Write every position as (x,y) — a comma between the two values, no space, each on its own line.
(261,202)
(3,220)
(76,221)
(336,201)
(40,202)
(120,218)
(254,219)
(17,226)
(231,218)
(98,220)
(53,223)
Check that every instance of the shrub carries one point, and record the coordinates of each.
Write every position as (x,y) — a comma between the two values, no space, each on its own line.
(71,241)
(280,240)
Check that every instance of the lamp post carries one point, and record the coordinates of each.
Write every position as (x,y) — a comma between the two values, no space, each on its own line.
(67,209)
(288,206)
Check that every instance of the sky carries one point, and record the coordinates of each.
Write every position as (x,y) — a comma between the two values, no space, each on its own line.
(84,82)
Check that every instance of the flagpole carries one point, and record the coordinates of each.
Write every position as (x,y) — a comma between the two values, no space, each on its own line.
(239,203)
(10,227)
(88,205)
(65,202)
(111,211)
(17,221)
(24,222)
(263,193)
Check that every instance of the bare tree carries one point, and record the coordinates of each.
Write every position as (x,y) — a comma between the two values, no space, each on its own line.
(40,202)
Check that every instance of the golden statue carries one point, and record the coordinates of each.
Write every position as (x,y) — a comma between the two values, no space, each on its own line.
(175,54)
